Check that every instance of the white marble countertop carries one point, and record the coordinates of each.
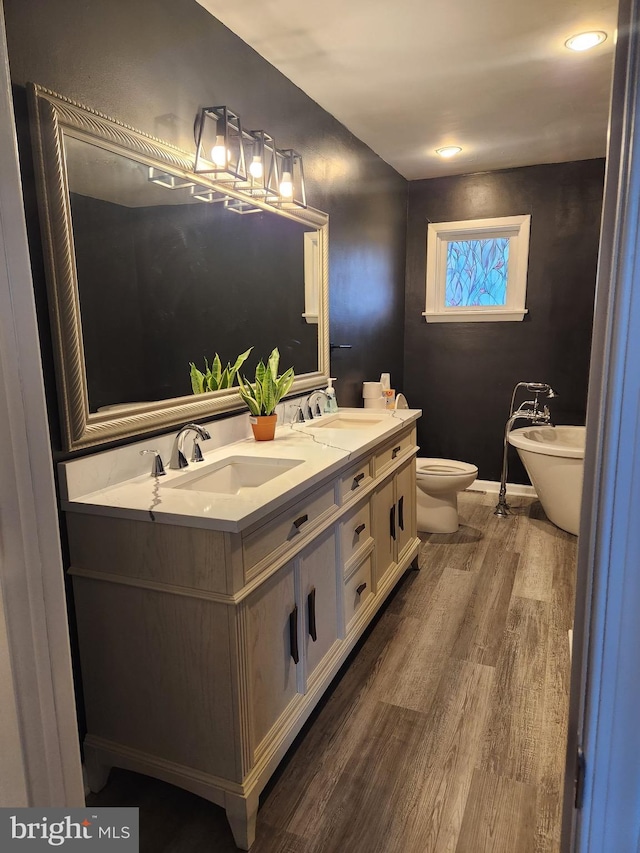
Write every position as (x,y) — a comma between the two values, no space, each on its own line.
(319,451)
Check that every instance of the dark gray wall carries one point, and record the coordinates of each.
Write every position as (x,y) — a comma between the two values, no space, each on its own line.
(462,374)
(152,64)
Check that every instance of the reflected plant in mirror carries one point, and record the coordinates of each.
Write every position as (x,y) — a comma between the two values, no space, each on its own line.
(215,378)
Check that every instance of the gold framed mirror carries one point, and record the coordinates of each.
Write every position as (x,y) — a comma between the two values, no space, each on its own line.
(150,267)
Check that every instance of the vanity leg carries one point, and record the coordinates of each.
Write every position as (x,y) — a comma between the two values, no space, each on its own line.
(415,565)
(96,772)
(241,814)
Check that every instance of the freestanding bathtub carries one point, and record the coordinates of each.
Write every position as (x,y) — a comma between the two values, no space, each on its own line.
(554,459)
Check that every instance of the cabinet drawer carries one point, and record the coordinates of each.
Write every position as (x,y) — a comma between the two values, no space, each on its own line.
(392,451)
(354,480)
(282,531)
(355,531)
(357,590)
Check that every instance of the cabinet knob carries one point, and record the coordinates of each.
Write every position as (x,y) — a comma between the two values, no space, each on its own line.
(360,589)
(395,451)
(360,528)
(357,480)
(401,513)
(300,521)
(392,521)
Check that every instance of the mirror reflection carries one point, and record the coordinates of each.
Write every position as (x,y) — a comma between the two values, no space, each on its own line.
(165,279)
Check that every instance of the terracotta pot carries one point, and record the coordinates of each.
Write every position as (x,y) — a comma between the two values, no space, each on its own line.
(264,427)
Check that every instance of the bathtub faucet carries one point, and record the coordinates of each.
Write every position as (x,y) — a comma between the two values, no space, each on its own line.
(529,410)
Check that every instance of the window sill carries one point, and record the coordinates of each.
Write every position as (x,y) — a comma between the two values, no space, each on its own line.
(475,316)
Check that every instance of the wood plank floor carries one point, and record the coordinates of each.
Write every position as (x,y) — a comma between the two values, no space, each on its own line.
(445,732)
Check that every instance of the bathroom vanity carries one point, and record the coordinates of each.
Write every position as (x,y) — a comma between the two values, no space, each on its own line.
(216,604)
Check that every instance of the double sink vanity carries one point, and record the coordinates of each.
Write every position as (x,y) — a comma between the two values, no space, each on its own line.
(216,603)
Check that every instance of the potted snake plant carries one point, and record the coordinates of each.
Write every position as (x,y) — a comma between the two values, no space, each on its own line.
(263,395)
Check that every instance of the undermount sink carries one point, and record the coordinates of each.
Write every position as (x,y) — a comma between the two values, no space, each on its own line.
(234,474)
(348,420)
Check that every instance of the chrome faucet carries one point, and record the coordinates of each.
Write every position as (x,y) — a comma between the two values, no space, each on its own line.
(157,468)
(529,410)
(178,459)
(313,396)
(305,410)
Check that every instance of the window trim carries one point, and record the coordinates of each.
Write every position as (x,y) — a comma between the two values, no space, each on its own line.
(439,234)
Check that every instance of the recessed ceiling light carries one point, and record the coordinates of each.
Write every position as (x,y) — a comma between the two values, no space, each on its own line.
(449,151)
(585,41)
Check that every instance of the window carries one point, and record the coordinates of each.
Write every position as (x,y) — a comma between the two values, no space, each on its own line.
(477,270)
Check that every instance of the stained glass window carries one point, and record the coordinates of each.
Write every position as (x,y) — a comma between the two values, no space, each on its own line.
(477,272)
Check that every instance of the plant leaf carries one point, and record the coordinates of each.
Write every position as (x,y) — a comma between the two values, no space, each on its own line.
(216,369)
(240,360)
(284,383)
(224,379)
(274,360)
(269,400)
(197,380)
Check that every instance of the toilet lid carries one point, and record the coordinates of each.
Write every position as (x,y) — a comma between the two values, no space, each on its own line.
(444,467)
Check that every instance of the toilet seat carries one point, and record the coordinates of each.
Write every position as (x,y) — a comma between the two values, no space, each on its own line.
(444,467)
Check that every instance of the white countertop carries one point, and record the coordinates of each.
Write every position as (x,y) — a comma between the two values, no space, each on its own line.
(321,451)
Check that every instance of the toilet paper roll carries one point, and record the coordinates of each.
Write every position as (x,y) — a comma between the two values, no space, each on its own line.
(371,389)
(375,403)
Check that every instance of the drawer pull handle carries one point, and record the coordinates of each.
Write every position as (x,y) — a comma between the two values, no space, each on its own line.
(392,522)
(311,607)
(300,521)
(293,634)
(360,589)
(360,528)
(401,512)
(357,480)
(395,451)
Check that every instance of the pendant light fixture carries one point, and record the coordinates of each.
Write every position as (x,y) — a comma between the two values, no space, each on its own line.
(220,146)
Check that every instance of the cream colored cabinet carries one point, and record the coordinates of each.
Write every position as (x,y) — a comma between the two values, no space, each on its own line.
(405,520)
(394,520)
(318,606)
(291,629)
(203,652)
(272,650)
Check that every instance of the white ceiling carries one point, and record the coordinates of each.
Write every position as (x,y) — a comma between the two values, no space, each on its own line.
(410,76)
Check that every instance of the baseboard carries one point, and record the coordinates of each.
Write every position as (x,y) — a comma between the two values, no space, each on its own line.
(518,490)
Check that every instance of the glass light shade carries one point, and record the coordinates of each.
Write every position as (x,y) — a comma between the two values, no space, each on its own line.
(219,153)
(256,169)
(585,41)
(291,187)
(220,145)
(286,185)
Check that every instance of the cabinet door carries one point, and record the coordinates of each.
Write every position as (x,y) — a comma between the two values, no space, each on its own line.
(385,528)
(405,507)
(273,637)
(319,601)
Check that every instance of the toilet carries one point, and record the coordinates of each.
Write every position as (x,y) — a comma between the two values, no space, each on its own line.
(438,483)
